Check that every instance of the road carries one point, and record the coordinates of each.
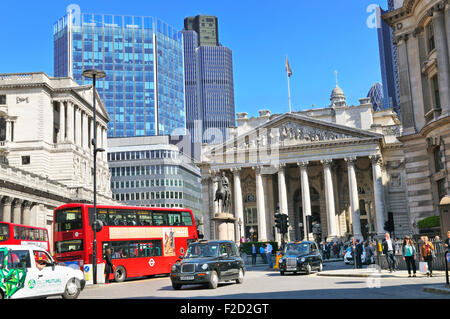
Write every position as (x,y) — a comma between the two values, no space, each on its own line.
(260,283)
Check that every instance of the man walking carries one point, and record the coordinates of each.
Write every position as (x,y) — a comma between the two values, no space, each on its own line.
(269,254)
(358,252)
(389,251)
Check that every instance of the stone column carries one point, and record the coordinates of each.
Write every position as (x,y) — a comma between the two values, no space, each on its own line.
(62,122)
(85,131)
(238,203)
(6,216)
(77,126)
(17,211)
(442,57)
(282,193)
(329,198)
(447,25)
(214,190)
(26,213)
(262,231)
(378,193)
(306,196)
(354,198)
(406,103)
(70,122)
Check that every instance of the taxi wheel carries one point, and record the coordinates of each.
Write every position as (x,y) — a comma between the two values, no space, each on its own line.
(176,286)
(308,269)
(213,280)
(320,267)
(72,289)
(240,278)
(120,274)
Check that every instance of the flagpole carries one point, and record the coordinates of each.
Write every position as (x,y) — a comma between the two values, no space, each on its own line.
(289,92)
(288,83)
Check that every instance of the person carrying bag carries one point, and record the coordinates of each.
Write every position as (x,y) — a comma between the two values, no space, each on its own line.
(427,253)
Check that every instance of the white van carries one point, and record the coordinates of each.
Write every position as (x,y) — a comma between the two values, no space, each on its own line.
(28,271)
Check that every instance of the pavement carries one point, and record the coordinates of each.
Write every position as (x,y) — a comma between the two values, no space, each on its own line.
(369,271)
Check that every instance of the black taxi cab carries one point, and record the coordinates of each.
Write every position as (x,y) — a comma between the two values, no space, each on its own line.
(300,256)
(208,262)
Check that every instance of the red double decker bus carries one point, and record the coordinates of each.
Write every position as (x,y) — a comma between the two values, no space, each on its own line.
(17,234)
(143,241)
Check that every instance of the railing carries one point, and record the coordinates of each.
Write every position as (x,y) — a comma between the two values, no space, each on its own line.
(439,262)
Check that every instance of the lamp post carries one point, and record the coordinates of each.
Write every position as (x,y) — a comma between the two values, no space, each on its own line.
(94,74)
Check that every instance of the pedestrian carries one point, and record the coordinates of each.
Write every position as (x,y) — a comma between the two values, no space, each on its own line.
(262,252)
(397,245)
(427,252)
(109,267)
(389,251)
(369,252)
(447,241)
(253,254)
(335,250)
(324,250)
(409,255)
(358,252)
(269,249)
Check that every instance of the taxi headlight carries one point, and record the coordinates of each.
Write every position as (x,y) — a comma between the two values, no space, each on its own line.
(302,260)
(204,266)
(174,268)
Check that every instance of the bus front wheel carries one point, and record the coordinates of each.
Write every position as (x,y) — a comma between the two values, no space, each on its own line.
(120,274)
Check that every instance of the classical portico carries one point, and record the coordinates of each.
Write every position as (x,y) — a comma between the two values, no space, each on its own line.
(304,164)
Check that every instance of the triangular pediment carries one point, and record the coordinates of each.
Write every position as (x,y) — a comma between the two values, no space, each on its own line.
(294,129)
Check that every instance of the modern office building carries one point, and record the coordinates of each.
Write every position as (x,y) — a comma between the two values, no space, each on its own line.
(150,171)
(210,110)
(388,62)
(143,90)
(376,96)
(207,28)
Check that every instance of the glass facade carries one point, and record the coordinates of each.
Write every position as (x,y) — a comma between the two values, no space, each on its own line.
(209,89)
(155,177)
(142,57)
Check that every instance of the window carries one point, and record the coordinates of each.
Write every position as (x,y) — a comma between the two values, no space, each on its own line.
(2,99)
(437,98)
(25,160)
(430,32)
(17,259)
(132,249)
(2,129)
(438,162)
(4,232)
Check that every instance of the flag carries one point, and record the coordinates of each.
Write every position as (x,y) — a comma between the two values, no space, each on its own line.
(288,68)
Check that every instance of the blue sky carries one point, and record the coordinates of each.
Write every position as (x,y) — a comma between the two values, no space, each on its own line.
(318,37)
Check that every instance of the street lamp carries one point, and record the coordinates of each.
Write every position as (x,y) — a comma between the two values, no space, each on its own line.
(94,74)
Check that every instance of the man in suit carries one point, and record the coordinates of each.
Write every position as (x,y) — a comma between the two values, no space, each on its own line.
(389,251)
(358,252)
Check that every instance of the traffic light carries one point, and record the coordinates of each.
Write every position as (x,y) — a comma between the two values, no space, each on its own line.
(284,223)
(278,221)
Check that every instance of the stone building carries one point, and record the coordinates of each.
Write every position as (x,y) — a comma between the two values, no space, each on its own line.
(422,36)
(342,165)
(46,125)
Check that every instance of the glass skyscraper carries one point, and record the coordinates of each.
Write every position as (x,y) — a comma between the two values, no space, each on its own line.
(388,62)
(143,59)
(208,81)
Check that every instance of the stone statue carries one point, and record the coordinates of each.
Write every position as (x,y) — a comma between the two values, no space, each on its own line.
(223,192)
